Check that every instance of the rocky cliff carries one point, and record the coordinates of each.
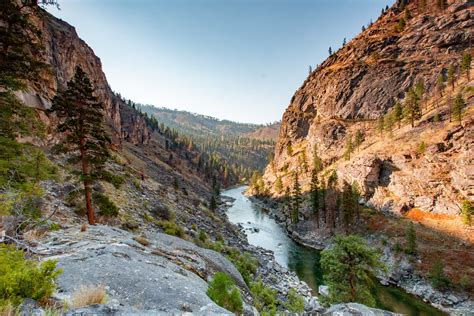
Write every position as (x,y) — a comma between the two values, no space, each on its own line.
(63,52)
(361,82)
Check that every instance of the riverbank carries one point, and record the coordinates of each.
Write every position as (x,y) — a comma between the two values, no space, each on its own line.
(401,271)
(271,272)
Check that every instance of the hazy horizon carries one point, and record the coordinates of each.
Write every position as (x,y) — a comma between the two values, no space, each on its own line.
(234,60)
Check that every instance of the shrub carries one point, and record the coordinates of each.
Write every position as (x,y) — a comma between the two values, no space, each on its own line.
(264,297)
(21,278)
(163,212)
(106,206)
(89,295)
(54,226)
(244,262)
(397,247)
(223,292)
(436,275)
(421,148)
(115,179)
(202,236)
(171,228)
(295,302)
(465,282)
(136,184)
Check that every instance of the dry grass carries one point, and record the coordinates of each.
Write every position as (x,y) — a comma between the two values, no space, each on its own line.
(34,235)
(83,227)
(419,215)
(141,240)
(8,310)
(89,295)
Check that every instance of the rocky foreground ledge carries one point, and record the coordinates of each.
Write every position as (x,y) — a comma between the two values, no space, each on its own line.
(164,275)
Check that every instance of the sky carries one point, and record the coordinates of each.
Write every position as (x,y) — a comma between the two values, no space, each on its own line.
(233,59)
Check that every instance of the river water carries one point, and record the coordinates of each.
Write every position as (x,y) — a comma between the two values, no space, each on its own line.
(264,231)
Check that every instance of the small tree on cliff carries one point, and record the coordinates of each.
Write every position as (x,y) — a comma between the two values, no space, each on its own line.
(451,76)
(458,105)
(349,267)
(398,113)
(278,184)
(466,64)
(81,120)
(349,148)
(358,139)
(412,107)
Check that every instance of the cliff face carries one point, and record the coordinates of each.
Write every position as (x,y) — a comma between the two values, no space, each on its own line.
(361,82)
(63,52)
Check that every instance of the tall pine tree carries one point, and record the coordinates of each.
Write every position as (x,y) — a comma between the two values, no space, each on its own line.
(296,199)
(315,196)
(82,121)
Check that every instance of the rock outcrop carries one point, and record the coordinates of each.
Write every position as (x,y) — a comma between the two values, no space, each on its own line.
(169,275)
(63,52)
(360,83)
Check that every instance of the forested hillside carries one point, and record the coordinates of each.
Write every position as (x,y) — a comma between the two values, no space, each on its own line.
(240,148)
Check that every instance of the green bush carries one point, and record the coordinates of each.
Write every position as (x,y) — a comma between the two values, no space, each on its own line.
(202,236)
(106,206)
(54,226)
(223,292)
(115,179)
(438,278)
(465,282)
(244,262)
(295,302)
(264,297)
(21,278)
(171,228)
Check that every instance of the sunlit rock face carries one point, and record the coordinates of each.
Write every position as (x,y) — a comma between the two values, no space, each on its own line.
(361,82)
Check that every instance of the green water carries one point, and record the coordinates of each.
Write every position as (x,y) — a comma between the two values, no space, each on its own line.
(304,261)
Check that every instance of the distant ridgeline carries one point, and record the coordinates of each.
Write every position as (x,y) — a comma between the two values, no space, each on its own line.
(228,150)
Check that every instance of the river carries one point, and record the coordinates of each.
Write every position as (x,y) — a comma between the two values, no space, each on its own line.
(264,231)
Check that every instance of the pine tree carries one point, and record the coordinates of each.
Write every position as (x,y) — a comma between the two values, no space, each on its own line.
(359,138)
(315,196)
(420,91)
(466,64)
(349,148)
(349,267)
(347,205)
(296,199)
(331,201)
(412,107)
(440,84)
(278,185)
(388,122)
(451,76)
(458,105)
(81,120)
(317,161)
(467,210)
(380,125)
(398,113)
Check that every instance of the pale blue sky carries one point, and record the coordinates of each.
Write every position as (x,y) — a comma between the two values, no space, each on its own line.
(234,59)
